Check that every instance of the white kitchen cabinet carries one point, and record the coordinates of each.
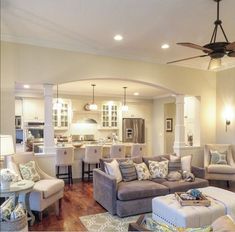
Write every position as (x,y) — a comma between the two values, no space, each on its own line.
(33,109)
(109,116)
(62,115)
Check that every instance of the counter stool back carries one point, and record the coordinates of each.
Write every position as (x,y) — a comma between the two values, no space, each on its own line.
(65,158)
(138,150)
(93,154)
(117,151)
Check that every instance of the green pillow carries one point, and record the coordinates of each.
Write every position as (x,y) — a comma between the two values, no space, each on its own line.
(218,157)
(29,172)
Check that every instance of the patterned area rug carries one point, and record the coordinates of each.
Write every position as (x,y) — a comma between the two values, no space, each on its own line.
(105,222)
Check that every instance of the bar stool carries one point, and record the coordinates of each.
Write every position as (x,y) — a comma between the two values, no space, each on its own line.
(117,151)
(65,158)
(93,154)
(138,150)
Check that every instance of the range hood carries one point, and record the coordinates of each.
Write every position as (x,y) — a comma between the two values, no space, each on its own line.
(89,121)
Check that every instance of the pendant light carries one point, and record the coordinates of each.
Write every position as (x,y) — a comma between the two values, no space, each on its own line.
(58,104)
(93,106)
(124,106)
(214,63)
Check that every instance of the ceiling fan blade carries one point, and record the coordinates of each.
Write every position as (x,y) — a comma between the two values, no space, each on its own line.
(191,45)
(231,46)
(186,59)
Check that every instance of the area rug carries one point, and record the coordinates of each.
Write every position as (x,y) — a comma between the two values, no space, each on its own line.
(105,222)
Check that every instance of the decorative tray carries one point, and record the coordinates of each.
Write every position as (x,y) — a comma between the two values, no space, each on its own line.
(203,201)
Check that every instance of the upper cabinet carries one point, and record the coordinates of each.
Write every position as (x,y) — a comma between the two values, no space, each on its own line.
(109,116)
(33,109)
(62,115)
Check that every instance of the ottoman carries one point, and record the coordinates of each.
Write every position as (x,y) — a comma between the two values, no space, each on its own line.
(168,210)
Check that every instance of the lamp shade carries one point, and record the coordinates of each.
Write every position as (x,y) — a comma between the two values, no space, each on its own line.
(6,146)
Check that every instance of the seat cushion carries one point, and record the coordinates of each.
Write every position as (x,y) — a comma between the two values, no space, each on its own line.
(181,186)
(49,187)
(221,168)
(140,189)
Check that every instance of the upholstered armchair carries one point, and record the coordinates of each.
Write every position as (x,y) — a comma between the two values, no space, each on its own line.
(219,171)
(47,191)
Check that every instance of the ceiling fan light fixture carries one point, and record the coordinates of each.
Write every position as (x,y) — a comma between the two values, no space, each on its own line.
(214,64)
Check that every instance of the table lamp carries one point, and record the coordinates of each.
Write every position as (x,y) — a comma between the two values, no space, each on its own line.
(6,148)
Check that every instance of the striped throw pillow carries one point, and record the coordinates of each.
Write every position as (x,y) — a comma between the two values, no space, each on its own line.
(174,163)
(128,170)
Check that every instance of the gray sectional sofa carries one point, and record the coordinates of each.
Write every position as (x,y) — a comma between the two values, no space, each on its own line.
(135,197)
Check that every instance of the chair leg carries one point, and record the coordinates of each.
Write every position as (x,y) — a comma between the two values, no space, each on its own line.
(228,184)
(71,175)
(40,215)
(57,171)
(89,169)
(83,164)
(58,207)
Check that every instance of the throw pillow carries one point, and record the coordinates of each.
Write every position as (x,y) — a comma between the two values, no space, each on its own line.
(128,170)
(29,172)
(158,169)
(218,157)
(174,176)
(186,163)
(6,209)
(18,212)
(142,171)
(174,163)
(112,169)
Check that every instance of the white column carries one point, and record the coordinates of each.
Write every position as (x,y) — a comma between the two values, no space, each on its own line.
(49,144)
(179,125)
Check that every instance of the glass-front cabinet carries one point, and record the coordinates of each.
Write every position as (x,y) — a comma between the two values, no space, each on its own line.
(61,115)
(109,116)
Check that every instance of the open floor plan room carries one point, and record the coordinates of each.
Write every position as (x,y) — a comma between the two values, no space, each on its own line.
(117,115)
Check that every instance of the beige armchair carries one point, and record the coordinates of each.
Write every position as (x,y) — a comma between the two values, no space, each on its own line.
(47,191)
(219,171)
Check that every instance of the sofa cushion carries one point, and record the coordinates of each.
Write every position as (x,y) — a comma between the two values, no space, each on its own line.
(181,186)
(136,160)
(128,170)
(48,187)
(140,189)
(218,157)
(158,169)
(221,168)
(158,158)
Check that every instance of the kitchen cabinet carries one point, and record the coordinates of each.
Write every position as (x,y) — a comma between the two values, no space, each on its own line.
(62,115)
(33,110)
(109,116)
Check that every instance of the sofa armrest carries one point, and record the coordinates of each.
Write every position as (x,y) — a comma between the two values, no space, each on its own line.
(105,190)
(198,172)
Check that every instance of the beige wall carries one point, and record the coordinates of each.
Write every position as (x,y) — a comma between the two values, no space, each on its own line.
(225,88)
(31,64)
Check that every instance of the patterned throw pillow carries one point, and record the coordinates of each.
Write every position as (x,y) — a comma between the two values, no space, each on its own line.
(158,169)
(18,212)
(218,157)
(112,169)
(174,163)
(29,172)
(6,209)
(128,170)
(142,171)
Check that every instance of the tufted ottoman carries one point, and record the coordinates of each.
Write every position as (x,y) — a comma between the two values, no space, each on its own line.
(168,210)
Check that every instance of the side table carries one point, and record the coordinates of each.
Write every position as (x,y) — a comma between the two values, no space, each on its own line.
(23,187)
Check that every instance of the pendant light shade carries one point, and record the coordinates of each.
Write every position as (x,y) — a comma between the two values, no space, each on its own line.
(93,106)
(214,63)
(124,105)
(57,105)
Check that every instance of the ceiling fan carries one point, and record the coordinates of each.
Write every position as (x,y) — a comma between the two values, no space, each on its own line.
(215,50)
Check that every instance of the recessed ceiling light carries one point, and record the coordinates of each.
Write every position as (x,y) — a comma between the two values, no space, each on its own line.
(118,37)
(26,86)
(136,94)
(165,46)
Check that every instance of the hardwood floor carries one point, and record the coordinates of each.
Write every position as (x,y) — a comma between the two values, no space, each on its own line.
(78,201)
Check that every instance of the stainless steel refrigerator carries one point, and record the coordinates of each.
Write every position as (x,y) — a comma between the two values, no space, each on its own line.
(133,130)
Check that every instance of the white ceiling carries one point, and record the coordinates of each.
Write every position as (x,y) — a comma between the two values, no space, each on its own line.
(109,88)
(89,26)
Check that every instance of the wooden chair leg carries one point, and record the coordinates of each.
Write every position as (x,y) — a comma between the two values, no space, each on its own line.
(40,215)
(89,169)
(57,171)
(58,207)
(83,170)
(71,174)
(228,184)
